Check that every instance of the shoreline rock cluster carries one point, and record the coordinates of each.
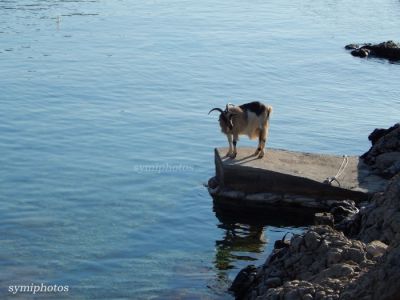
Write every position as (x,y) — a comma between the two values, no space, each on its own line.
(389,50)
(357,257)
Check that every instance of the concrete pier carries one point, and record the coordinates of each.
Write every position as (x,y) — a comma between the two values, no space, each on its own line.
(290,179)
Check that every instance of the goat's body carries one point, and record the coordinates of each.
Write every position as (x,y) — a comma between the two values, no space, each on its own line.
(251,119)
(253,127)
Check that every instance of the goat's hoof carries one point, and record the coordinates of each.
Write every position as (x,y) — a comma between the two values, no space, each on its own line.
(256,153)
(233,155)
(261,155)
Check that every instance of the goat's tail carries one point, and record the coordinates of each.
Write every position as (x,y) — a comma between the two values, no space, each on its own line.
(267,117)
(269,112)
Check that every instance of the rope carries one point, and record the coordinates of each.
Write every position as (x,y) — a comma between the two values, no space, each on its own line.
(343,166)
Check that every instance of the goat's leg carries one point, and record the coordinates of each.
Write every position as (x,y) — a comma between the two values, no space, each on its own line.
(230,151)
(259,143)
(235,139)
(262,140)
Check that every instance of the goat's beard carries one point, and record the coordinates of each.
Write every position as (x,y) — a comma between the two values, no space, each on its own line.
(225,130)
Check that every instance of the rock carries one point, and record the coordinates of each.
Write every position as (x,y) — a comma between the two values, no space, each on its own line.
(243,280)
(389,50)
(336,271)
(392,170)
(323,219)
(292,295)
(279,244)
(360,52)
(334,256)
(387,163)
(376,248)
(273,282)
(320,295)
(380,132)
(382,220)
(383,156)
(355,255)
(307,297)
(341,213)
(351,46)
(295,243)
(312,240)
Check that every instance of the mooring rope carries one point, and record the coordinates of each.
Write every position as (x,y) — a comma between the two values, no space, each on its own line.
(343,166)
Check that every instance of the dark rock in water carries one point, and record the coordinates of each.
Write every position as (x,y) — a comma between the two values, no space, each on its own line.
(389,50)
(243,281)
(360,52)
(351,46)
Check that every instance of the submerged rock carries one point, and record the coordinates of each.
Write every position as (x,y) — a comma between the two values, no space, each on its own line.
(389,50)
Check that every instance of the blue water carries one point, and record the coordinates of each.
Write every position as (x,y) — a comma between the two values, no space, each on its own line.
(105,141)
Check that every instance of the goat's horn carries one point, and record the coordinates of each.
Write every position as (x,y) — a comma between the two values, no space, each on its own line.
(216,108)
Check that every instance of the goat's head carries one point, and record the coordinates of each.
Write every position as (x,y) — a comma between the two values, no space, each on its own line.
(225,119)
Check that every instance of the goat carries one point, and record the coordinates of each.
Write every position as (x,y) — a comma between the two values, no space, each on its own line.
(251,119)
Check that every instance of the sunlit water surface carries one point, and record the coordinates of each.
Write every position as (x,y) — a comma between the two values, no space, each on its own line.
(105,141)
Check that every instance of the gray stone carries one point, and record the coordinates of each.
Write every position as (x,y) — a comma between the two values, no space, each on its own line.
(296,242)
(334,256)
(307,297)
(292,295)
(319,295)
(354,254)
(312,240)
(323,219)
(386,160)
(337,271)
(273,282)
(376,248)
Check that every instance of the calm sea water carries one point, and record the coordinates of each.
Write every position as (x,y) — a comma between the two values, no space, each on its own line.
(105,141)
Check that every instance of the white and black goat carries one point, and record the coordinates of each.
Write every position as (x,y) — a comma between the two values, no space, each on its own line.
(251,119)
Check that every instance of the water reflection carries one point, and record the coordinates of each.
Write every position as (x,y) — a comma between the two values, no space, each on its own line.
(247,237)
(238,243)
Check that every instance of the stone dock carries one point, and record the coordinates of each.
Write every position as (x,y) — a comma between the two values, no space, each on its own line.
(288,179)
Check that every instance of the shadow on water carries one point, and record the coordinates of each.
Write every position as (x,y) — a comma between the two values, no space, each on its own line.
(246,235)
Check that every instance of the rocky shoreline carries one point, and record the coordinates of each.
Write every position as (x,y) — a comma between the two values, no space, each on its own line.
(354,257)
